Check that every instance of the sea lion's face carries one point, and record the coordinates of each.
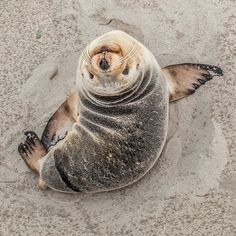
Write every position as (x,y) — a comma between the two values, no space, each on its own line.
(110,64)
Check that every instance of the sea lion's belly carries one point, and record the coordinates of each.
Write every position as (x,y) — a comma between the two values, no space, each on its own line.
(117,147)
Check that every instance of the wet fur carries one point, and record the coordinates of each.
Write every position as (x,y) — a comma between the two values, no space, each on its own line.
(111,148)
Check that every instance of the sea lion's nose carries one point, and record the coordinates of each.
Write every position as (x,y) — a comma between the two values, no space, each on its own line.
(104,65)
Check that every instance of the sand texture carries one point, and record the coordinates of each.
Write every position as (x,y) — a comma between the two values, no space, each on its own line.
(192,188)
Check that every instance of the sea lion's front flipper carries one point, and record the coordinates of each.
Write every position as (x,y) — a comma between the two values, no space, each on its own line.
(184,79)
(61,121)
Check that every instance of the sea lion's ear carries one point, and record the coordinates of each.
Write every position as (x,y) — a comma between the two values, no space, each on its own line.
(184,79)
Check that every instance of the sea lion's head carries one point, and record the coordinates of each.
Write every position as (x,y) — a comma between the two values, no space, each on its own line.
(111,64)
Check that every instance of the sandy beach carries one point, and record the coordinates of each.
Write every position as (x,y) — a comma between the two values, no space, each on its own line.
(192,188)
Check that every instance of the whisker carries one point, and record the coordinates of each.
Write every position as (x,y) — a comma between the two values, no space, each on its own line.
(133,51)
(85,55)
(128,50)
(88,54)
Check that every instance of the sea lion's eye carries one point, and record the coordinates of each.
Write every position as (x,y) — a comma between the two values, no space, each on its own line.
(91,75)
(126,70)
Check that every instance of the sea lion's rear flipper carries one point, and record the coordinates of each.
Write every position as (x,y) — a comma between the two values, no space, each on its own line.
(60,122)
(184,79)
(32,150)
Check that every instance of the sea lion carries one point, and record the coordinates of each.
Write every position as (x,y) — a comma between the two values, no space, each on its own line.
(115,121)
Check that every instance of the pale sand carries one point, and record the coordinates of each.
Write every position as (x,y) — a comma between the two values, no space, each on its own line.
(192,189)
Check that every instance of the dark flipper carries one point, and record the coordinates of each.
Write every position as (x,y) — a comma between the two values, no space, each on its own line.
(61,122)
(32,150)
(185,79)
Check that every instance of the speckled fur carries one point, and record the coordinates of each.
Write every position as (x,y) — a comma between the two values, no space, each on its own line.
(115,141)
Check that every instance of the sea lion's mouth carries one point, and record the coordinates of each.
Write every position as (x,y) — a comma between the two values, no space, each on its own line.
(105,49)
(113,48)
